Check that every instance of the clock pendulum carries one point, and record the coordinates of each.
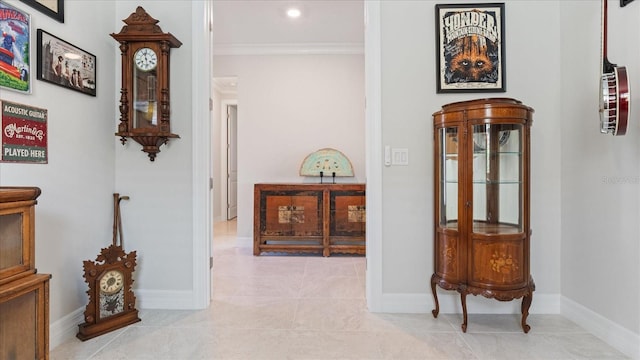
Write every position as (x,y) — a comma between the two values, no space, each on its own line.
(111,298)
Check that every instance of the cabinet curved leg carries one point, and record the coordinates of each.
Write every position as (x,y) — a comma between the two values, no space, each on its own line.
(435,311)
(526,303)
(463,297)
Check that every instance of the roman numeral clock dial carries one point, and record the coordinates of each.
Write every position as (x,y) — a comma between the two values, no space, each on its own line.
(146,59)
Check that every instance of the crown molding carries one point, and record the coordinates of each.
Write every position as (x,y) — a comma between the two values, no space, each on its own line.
(290,49)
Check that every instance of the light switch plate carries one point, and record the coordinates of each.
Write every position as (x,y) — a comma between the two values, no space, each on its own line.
(400,156)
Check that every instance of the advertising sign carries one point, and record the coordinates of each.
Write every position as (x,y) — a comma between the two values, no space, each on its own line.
(24,133)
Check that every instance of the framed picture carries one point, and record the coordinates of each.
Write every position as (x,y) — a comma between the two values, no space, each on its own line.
(65,65)
(470,48)
(15,62)
(52,8)
(625,2)
(24,136)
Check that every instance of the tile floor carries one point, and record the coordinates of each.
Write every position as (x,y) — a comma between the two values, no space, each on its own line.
(309,307)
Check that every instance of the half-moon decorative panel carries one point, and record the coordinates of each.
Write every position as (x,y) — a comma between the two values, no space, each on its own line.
(327,161)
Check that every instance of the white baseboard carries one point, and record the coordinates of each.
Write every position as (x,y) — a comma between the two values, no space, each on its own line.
(65,328)
(615,335)
(450,304)
(621,338)
(244,241)
(163,299)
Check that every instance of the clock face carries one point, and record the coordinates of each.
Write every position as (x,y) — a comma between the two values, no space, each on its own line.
(146,59)
(111,282)
(111,297)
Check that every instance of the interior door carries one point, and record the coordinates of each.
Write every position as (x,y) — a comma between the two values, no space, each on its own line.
(232,162)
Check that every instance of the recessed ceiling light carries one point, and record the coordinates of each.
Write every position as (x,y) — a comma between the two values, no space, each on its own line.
(294,13)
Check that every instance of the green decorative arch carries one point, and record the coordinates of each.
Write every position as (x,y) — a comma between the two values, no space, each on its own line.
(328,161)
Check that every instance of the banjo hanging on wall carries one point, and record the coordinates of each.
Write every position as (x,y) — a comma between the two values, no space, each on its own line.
(614,90)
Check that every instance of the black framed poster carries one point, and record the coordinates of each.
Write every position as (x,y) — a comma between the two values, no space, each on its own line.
(470,48)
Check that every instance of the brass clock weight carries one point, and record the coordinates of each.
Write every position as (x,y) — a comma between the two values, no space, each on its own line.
(144,97)
(111,298)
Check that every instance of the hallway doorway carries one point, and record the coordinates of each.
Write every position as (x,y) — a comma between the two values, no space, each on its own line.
(232,161)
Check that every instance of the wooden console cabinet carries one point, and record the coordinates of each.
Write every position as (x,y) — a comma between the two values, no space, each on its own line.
(309,218)
(481,202)
(24,294)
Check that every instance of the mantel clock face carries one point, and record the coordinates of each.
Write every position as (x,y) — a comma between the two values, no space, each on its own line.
(111,298)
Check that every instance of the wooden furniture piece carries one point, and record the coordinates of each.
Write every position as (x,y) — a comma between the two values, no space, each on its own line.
(481,202)
(145,106)
(309,218)
(24,294)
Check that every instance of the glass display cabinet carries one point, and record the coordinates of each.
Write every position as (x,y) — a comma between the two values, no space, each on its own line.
(481,202)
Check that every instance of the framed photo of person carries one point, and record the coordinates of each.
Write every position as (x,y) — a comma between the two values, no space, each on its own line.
(66,65)
(470,48)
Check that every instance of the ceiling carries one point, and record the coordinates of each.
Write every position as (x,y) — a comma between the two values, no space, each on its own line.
(264,22)
(260,27)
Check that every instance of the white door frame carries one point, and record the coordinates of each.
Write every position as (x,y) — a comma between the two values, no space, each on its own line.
(373,152)
(202,165)
(201,116)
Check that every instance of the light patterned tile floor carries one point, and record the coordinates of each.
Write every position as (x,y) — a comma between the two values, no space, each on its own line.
(310,307)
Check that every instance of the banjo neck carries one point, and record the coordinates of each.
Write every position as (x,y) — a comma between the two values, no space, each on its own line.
(606,65)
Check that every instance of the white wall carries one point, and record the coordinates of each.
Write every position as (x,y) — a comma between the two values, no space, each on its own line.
(288,107)
(600,173)
(74,213)
(158,218)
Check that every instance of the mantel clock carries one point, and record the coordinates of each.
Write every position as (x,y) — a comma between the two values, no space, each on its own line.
(111,299)
(144,98)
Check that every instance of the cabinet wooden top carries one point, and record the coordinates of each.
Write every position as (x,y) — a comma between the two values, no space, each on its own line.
(309,186)
(494,108)
(18,193)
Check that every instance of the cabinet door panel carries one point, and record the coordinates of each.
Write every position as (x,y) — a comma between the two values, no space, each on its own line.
(293,215)
(348,213)
(498,262)
(448,257)
(18,327)
(11,240)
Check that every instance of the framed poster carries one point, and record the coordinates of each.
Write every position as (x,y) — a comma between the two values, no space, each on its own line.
(24,133)
(65,65)
(52,8)
(15,68)
(470,48)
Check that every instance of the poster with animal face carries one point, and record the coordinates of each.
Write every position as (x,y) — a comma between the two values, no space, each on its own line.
(470,47)
(15,66)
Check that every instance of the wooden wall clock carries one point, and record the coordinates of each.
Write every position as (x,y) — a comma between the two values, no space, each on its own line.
(144,97)
(111,298)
